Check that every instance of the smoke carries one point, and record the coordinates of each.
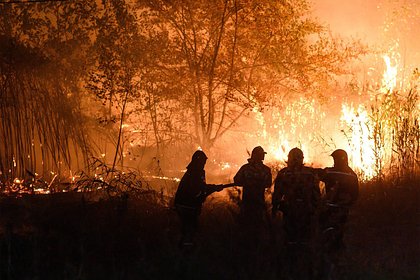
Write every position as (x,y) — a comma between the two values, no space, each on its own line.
(357,18)
(378,23)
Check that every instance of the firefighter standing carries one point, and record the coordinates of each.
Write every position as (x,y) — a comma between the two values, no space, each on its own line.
(190,196)
(255,177)
(296,195)
(341,192)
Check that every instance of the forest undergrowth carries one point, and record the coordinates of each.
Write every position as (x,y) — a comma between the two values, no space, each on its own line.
(77,235)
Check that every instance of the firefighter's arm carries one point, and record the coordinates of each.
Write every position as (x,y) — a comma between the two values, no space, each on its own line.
(211,188)
(239,177)
(277,197)
(268,180)
(355,191)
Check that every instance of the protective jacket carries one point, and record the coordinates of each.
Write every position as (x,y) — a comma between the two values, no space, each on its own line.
(254,177)
(341,186)
(296,189)
(193,190)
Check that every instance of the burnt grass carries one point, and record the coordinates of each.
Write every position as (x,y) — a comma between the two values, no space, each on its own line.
(81,236)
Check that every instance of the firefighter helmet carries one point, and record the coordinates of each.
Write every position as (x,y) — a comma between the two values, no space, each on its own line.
(258,153)
(198,155)
(295,157)
(340,156)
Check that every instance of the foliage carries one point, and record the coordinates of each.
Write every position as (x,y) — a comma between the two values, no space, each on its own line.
(391,131)
(233,55)
(44,49)
(216,60)
(60,31)
(41,128)
(115,183)
(113,80)
(401,111)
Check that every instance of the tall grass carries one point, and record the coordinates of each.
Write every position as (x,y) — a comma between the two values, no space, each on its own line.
(41,127)
(396,134)
(387,137)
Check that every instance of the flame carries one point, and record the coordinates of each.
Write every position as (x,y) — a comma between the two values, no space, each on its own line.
(361,144)
(17,181)
(295,125)
(280,153)
(175,179)
(354,128)
(366,155)
(225,165)
(389,79)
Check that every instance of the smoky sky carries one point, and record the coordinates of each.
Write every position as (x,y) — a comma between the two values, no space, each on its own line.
(368,19)
(357,18)
(362,18)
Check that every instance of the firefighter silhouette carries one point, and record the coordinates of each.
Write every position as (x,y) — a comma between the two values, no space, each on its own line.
(255,178)
(297,195)
(189,198)
(341,192)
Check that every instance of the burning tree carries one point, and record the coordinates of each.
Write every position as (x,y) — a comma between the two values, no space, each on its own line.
(231,56)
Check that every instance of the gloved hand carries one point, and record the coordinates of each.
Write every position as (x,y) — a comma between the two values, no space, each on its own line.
(215,188)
